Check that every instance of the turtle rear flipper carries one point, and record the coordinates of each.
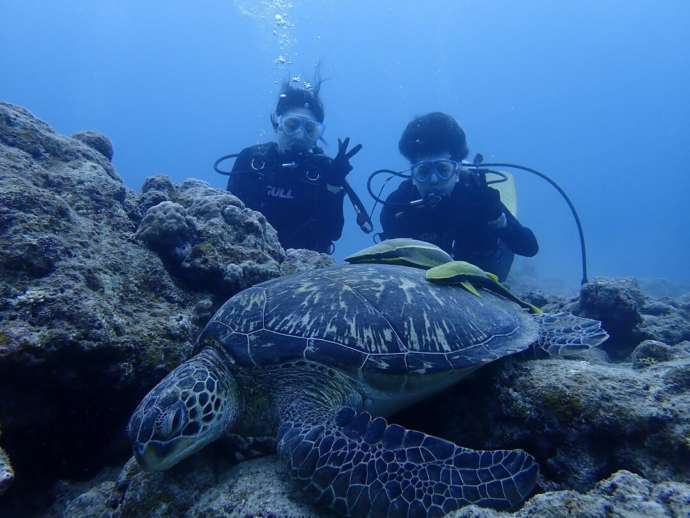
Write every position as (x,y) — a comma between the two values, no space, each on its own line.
(563,334)
(361,466)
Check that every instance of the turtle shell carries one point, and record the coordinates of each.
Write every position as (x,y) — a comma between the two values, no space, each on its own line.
(372,317)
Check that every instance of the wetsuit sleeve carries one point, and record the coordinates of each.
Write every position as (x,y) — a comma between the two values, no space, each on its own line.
(242,183)
(395,221)
(333,215)
(518,238)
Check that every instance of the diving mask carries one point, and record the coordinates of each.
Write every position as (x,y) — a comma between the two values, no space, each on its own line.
(423,171)
(291,124)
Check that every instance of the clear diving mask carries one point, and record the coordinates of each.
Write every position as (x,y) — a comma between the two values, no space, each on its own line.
(423,171)
(291,124)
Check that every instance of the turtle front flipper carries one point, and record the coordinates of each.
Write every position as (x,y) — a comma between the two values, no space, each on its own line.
(563,334)
(361,466)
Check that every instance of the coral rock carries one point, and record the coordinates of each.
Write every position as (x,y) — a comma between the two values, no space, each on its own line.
(650,352)
(582,421)
(298,260)
(167,229)
(208,239)
(622,494)
(97,141)
(617,303)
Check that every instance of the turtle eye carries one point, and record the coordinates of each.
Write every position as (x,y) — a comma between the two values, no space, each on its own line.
(172,422)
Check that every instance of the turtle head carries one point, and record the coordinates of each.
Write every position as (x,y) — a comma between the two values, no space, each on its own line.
(191,407)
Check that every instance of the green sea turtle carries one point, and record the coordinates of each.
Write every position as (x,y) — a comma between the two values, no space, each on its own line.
(320,359)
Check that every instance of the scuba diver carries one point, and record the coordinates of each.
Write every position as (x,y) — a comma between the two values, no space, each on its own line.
(299,190)
(449,205)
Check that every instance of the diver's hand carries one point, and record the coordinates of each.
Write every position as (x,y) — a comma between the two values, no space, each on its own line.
(479,206)
(488,205)
(341,166)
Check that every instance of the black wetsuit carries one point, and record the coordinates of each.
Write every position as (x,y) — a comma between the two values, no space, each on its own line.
(459,224)
(293,191)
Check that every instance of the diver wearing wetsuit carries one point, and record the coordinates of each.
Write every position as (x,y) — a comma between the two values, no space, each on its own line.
(450,207)
(297,187)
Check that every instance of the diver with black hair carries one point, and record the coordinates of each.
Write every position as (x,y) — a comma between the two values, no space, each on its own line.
(292,182)
(449,205)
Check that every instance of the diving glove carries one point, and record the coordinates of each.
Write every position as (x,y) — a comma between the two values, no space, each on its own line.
(341,166)
(499,222)
(488,206)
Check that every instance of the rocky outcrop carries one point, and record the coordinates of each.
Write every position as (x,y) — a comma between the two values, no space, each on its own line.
(581,420)
(616,303)
(206,238)
(298,260)
(623,494)
(103,290)
(204,486)
(97,141)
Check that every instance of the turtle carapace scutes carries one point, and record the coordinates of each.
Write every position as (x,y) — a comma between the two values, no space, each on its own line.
(322,358)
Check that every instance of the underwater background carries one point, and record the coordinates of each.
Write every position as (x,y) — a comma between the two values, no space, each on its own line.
(592,93)
(109,272)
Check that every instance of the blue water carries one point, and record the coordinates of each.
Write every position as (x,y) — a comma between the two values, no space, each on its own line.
(593,93)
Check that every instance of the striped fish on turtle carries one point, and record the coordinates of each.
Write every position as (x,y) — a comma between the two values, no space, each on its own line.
(321,359)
